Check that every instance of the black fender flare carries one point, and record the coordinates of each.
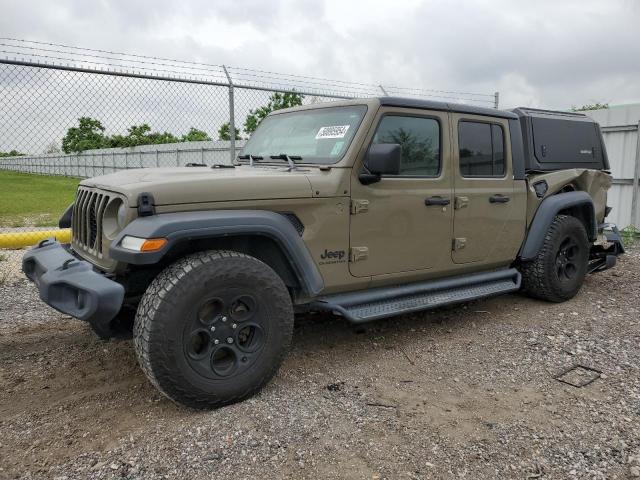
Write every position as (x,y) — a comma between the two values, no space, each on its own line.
(185,226)
(65,219)
(545,214)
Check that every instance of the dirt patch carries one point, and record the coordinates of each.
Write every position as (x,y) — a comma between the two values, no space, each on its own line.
(467,391)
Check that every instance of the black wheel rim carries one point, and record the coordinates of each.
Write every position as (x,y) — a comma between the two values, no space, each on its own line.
(567,259)
(224,334)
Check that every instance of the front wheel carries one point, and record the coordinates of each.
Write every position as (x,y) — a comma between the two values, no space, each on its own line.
(558,271)
(213,328)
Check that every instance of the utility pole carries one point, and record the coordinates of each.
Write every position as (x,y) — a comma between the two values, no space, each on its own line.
(232,122)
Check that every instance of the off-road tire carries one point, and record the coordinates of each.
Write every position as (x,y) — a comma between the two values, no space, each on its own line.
(163,321)
(543,277)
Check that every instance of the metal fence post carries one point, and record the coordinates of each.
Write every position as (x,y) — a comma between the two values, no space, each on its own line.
(232,121)
(636,181)
(496,100)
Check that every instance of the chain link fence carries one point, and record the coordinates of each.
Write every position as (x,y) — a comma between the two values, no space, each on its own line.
(69,113)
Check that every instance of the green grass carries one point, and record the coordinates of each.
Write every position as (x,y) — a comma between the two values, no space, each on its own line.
(34,200)
(630,236)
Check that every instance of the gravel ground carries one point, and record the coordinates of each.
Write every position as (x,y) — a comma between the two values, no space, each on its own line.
(11,266)
(464,392)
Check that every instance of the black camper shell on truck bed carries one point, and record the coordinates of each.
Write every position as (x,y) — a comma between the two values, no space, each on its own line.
(560,140)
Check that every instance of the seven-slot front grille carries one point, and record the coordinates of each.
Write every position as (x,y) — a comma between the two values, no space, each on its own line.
(86,226)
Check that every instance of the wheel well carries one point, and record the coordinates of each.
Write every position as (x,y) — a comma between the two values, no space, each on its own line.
(585,214)
(261,247)
(576,204)
(138,277)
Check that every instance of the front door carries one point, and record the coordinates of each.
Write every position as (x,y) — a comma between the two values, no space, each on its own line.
(485,201)
(403,223)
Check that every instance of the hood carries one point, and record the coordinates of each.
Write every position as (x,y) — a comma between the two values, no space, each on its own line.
(170,186)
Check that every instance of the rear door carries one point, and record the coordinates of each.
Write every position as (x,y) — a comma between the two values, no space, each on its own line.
(486,229)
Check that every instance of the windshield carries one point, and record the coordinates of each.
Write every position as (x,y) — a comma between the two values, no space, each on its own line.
(317,136)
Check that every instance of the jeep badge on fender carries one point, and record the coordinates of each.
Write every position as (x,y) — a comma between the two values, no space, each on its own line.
(333,256)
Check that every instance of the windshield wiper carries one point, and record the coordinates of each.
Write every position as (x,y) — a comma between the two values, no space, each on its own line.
(249,157)
(287,158)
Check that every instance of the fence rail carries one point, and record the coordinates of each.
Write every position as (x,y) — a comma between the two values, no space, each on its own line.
(101,162)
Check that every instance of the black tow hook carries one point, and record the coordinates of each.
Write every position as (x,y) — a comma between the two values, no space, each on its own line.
(67,263)
(44,243)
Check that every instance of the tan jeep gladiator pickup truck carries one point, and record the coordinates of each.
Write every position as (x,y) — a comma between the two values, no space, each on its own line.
(366,208)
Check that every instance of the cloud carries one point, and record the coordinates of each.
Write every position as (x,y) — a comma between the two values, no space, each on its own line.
(546,53)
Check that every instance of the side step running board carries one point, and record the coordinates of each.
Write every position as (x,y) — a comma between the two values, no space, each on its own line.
(372,304)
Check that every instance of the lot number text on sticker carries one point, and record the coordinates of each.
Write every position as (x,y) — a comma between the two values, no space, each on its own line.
(337,131)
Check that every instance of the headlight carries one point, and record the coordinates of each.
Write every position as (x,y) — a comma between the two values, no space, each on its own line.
(114,218)
(122,216)
(143,244)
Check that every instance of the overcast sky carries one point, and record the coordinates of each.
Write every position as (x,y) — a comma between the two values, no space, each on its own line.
(535,53)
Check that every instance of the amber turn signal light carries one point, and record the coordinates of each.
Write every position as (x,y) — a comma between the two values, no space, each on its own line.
(153,244)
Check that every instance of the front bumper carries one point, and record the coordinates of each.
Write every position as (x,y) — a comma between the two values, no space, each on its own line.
(72,286)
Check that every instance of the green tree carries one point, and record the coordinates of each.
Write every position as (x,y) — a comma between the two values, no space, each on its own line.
(141,135)
(12,153)
(417,154)
(225,134)
(195,135)
(87,135)
(277,101)
(590,106)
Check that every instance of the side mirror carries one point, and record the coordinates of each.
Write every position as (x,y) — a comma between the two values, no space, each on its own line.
(381,159)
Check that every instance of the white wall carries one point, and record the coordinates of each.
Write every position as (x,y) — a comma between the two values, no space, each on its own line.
(621,136)
(92,163)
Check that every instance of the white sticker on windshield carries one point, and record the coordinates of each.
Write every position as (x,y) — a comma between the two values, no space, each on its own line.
(337,131)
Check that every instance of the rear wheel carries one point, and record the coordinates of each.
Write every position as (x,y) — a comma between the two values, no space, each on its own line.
(213,328)
(558,271)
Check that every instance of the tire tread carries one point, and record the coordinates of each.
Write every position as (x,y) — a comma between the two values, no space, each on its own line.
(536,279)
(151,319)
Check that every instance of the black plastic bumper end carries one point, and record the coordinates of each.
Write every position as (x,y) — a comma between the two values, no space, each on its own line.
(71,286)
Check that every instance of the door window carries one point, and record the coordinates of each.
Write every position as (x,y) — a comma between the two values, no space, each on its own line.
(481,149)
(419,139)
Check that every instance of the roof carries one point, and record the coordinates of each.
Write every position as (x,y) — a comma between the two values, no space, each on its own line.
(445,106)
(405,103)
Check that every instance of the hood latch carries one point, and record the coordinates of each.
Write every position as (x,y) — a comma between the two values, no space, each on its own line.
(146,206)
